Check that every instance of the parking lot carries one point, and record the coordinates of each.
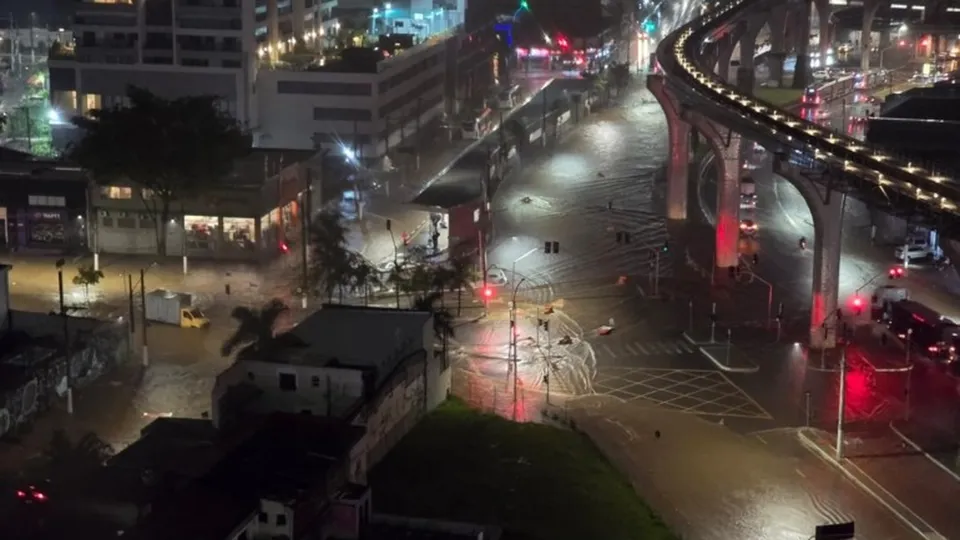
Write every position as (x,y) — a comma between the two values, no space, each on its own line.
(694,391)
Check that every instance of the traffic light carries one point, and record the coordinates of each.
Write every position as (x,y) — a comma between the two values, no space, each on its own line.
(896,272)
(284,247)
(623,237)
(524,5)
(488,292)
(857,305)
(551,247)
(925,42)
(649,26)
(562,41)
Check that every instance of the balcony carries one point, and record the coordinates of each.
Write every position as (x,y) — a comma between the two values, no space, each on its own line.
(209,8)
(62,51)
(105,22)
(233,24)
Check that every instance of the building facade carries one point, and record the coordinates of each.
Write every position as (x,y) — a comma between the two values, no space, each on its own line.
(174,48)
(43,207)
(249,217)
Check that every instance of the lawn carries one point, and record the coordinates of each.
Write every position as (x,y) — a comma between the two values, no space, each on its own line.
(535,481)
(778,96)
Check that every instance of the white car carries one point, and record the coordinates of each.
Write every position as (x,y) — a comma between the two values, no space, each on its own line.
(387,265)
(496,277)
(913,253)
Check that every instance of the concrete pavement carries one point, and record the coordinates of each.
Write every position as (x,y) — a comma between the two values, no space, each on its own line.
(710,483)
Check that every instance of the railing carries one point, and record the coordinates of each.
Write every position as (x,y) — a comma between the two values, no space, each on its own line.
(679,55)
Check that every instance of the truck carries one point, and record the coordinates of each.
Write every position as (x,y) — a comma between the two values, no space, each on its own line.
(174,308)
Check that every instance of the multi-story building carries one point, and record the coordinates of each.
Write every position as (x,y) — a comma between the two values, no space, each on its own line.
(356,80)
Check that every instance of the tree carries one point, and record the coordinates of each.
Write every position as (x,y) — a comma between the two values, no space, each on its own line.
(331,260)
(399,277)
(365,277)
(86,276)
(442,319)
(65,460)
(166,150)
(256,332)
(462,276)
(419,280)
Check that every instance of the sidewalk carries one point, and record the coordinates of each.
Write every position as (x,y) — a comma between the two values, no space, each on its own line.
(863,475)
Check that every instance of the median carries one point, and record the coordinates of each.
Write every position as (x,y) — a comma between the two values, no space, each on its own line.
(535,481)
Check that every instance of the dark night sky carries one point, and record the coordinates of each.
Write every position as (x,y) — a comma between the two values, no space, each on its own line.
(49,12)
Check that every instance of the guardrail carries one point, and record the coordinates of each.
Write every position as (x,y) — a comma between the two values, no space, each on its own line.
(679,56)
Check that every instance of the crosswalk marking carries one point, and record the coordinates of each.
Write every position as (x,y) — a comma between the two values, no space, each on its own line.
(648,348)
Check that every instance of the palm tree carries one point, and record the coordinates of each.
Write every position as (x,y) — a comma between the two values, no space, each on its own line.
(442,319)
(256,331)
(331,258)
(365,277)
(420,280)
(64,459)
(399,277)
(462,275)
(440,281)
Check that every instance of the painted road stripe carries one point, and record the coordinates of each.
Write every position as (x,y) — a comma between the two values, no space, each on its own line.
(609,350)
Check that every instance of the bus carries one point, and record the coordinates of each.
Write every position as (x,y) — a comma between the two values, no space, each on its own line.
(927,332)
(479,127)
(509,98)
(818,93)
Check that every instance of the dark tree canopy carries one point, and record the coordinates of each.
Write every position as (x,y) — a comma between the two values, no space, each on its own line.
(172,148)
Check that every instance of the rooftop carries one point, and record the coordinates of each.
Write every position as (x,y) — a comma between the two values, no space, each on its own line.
(359,337)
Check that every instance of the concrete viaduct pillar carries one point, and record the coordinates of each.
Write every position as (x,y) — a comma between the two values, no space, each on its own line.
(801,73)
(778,49)
(746,74)
(866,28)
(825,30)
(827,208)
(725,48)
(678,164)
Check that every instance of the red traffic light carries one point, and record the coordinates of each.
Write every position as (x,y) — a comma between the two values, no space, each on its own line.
(857,302)
(903,43)
(487,292)
(284,247)
(925,42)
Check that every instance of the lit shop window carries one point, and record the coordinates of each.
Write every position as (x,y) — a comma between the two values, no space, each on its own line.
(239,231)
(116,192)
(201,231)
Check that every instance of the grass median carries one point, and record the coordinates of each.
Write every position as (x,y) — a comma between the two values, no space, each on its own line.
(536,482)
(778,96)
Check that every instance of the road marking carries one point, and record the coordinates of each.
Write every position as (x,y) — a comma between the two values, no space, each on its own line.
(609,350)
(643,350)
(684,346)
(800,473)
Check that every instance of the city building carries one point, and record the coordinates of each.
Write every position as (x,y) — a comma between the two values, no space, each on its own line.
(379,368)
(922,123)
(43,205)
(355,80)
(253,214)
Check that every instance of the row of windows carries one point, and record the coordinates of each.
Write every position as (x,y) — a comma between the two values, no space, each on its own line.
(344,115)
(409,73)
(47,200)
(422,90)
(324,89)
(346,139)
(123,192)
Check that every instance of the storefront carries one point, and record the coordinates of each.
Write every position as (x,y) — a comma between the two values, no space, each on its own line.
(42,214)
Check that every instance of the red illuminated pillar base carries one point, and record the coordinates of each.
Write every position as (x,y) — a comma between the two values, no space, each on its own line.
(678,177)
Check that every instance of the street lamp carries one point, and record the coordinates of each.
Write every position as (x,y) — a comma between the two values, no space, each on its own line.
(842,402)
(66,335)
(513,341)
(396,260)
(145,356)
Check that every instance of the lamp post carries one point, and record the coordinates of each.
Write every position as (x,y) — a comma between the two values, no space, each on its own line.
(66,335)
(396,260)
(842,402)
(513,344)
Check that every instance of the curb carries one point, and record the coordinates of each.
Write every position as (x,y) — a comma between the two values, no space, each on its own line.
(814,448)
(917,447)
(723,367)
(716,362)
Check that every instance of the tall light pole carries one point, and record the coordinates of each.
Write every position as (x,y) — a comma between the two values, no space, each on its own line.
(396,260)
(513,345)
(66,336)
(841,402)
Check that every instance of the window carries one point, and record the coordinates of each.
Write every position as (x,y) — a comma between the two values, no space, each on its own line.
(346,115)
(201,231)
(47,200)
(323,89)
(281,519)
(239,232)
(126,221)
(315,381)
(146,221)
(116,192)
(288,382)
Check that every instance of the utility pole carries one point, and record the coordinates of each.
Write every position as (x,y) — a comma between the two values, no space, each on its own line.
(133,323)
(143,312)
(305,226)
(66,337)
(842,402)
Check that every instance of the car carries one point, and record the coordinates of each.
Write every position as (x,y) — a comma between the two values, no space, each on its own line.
(913,253)
(748,227)
(496,277)
(387,265)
